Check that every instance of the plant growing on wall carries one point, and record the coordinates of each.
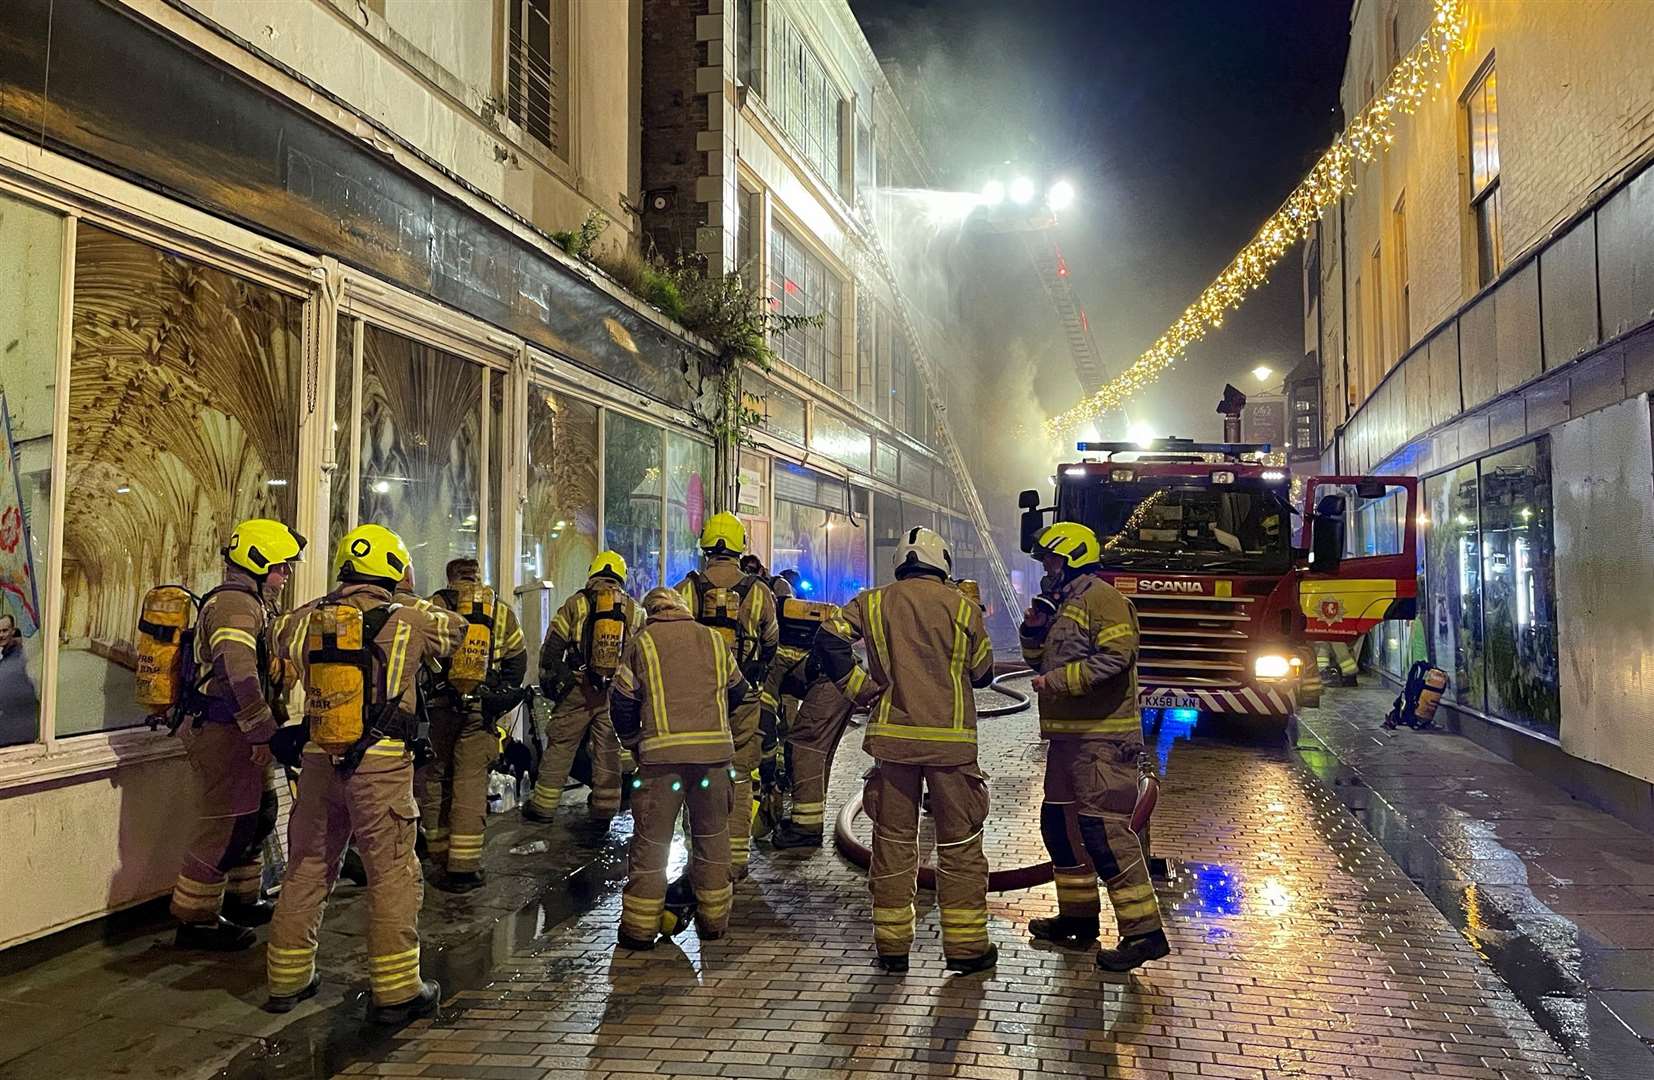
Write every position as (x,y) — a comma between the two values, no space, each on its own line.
(727,310)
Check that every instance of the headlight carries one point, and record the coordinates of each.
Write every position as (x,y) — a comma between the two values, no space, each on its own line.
(1271,666)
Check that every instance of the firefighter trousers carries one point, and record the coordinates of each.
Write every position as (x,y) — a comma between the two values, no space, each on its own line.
(959,805)
(375,803)
(583,714)
(661,793)
(454,804)
(1090,790)
(237,814)
(816,730)
(743,729)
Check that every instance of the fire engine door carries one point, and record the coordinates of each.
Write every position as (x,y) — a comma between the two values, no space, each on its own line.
(1363,540)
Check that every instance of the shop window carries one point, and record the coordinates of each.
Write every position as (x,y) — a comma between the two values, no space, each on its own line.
(1454,572)
(688,502)
(848,568)
(800,543)
(421,462)
(1518,587)
(31,263)
(1481,105)
(887,530)
(632,481)
(560,517)
(183,420)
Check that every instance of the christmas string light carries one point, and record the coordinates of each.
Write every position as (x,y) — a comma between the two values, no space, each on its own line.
(1411,82)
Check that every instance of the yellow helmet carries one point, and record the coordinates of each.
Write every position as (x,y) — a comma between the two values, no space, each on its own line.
(609,563)
(724,535)
(259,543)
(372,551)
(1076,544)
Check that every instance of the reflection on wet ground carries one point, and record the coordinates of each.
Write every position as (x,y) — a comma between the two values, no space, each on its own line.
(1556,896)
(1302,948)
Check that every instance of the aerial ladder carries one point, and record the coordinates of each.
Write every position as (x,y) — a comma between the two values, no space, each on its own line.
(1053,274)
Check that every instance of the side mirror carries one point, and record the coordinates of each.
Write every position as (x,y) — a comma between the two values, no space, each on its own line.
(1028,500)
(1033,520)
(1326,550)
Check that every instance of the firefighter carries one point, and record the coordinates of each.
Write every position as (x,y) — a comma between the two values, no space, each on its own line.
(1082,642)
(235,713)
(578,659)
(464,713)
(926,648)
(809,713)
(777,700)
(357,652)
(672,698)
(741,608)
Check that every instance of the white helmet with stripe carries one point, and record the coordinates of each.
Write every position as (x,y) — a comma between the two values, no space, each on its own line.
(921,551)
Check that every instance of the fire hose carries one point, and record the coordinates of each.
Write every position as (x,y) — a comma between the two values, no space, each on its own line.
(1009,879)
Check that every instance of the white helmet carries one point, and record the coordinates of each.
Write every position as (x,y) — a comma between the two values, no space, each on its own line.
(921,550)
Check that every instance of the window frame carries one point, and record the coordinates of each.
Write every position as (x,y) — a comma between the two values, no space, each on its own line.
(792,243)
(559,118)
(1485,202)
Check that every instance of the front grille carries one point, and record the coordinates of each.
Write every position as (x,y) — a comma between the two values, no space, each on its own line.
(1197,642)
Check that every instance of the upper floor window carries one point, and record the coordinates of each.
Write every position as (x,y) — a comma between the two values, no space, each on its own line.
(746,34)
(802,284)
(531,79)
(1481,103)
(804,98)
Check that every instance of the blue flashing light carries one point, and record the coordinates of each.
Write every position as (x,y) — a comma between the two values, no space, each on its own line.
(805,585)
(1183,716)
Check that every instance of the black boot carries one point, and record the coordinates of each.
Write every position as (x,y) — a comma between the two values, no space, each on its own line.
(626,941)
(220,936)
(972,964)
(423,1004)
(1134,952)
(539,817)
(461,881)
(1067,931)
(893,965)
(248,912)
(790,835)
(281,1003)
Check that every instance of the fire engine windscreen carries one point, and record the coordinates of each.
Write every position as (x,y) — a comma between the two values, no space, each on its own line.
(1173,523)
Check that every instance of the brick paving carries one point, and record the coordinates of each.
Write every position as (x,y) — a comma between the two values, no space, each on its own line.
(1301,950)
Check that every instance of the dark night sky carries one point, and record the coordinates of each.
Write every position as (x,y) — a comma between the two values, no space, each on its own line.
(1182,124)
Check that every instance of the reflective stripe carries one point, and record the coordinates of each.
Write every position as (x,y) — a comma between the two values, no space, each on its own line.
(397,660)
(809,813)
(893,925)
(1127,894)
(1073,679)
(956,661)
(1078,614)
(1107,726)
(716,902)
(964,924)
(230,633)
(874,617)
(1143,909)
(1113,633)
(687,738)
(920,733)
(856,683)
(983,652)
(651,672)
(723,665)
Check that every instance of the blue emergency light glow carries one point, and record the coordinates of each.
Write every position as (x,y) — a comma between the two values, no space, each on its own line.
(706,781)
(637,782)
(677,785)
(1183,716)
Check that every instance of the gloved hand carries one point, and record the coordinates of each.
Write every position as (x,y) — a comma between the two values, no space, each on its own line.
(556,682)
(287,744)
(496,701)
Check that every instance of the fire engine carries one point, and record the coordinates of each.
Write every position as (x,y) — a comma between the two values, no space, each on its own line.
(1202,538)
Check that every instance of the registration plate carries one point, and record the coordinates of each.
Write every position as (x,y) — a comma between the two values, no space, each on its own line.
(1169,701)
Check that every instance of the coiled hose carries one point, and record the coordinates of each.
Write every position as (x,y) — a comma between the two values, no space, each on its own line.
(1009,879)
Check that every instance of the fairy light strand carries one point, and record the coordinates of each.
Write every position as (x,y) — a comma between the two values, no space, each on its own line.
(1412,81)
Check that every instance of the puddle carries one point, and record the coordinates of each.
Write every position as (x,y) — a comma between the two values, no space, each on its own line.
(324,1044)
(1536,952)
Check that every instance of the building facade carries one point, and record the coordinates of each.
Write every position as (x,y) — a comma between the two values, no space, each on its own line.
(1481,310)
(292,258)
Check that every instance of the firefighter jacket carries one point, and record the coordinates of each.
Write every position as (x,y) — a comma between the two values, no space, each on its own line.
(232,662)
(415,634)
(563,651)
(759,634)
(1088,656)
(508,659)
(926,648)
(674,691)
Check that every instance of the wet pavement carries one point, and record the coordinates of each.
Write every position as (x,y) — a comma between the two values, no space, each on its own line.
(1557,896)
(1302,949)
